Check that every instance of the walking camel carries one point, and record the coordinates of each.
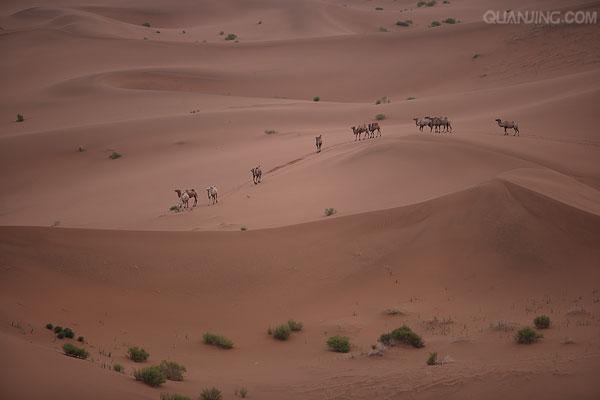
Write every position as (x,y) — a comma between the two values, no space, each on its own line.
(256,175)
(213,194)
(318,142)
(185,196)
(508,125)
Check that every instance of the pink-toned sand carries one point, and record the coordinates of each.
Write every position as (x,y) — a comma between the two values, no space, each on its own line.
(471,228)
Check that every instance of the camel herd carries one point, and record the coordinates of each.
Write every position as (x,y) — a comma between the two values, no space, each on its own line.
(368,129)
(435,124)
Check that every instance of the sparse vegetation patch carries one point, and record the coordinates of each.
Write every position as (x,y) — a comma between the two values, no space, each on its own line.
(405,23)
(173,396)
(242,392)
(339,344)
(402,335)
(151,376)
(270,131)
(316,98)
(432,359)
(435,24)
(380,117)
(542,322)
(114,155)
(211,394)
(172,370)
(527,336)
(118,368)
(450,21)
(330,211)
(295,326)
(137,354)
(20,118)
(73,351)
(231,36)
(282,332)
(217,340)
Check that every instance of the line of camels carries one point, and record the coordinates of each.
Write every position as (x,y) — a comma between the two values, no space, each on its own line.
(435,124)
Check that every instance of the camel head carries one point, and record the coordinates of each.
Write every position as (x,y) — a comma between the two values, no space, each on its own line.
(178,192)
(498,120)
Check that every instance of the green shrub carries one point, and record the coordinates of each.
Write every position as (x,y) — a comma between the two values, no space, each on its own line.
(432,359)
(151,376)
(211,394)
(172,370)
(380,117)
(340,344)
(330,211)
(20,118)
(450,21)
(316,98)
(243,228)
(282,332)
(49,326)
(527,336)
(295,326)
(242,392)
(542,322)
(73,351)
(403,335)
(173,396)
(114,155)
(68,333)
(60,335)
(231,36)
(57,329)
(119,368)
(81,339)
(435,23)
(137,354)
(217,340)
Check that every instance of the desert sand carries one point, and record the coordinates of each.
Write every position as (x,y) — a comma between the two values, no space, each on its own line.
(460,233)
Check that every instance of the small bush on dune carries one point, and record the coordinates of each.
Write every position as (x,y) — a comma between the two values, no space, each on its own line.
(383,29)
(527,336)
(173,396)
(295,326)
(172,370)
(282,332)
(403,23)
(380,117)
(119,368)
(411,98)
(20,118)
(74,351)
(330,211)
(151,376)
(432,359)
(211,394)
(435,23)
(542,322)
(316,98)
(243,393)
(68,333)
(450,21)
(403,335)
(231,36)
(340,344)
(57,329)
(81,339)
(217,340)
(270,131)
(379,8)
(146,24)
(49,326)
(221,33)
(383,100)
(137,354)
(114,155)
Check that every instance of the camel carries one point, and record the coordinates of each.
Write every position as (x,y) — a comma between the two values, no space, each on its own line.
(372,128)
(446,124)
(318,143)
(256,175)
(421,122)
(357,130)
(213,194)
(185,196)
(509,125)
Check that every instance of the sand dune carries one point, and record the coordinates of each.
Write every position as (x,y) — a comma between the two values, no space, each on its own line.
(457,231)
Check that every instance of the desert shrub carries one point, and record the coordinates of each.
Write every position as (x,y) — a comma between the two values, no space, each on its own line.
(383,29)
(137,354)
(114,155)
(542,322)
(151,376)
(502,326)
(403,23)
(146,24)
(57,329)
(383,100)
(119,368)
(380,117)
(340,344)
(475,56)
(430,3)
(403,335)
(282,332)
(174,208)
(211,394)
(432,359)
(73,351)
(60,335)
(49,326)
(68,333)
(411,98)
(173,396)
(20,118)
(527,336)
(243,228)
(231,36)
(172,370)
(242,392)
(435,23)
(270,131)
(81,339)
(217,340)
(421,3)
(379,8)
(330,211)
(450,21)
(295,326)
(316,98)
(446,2)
